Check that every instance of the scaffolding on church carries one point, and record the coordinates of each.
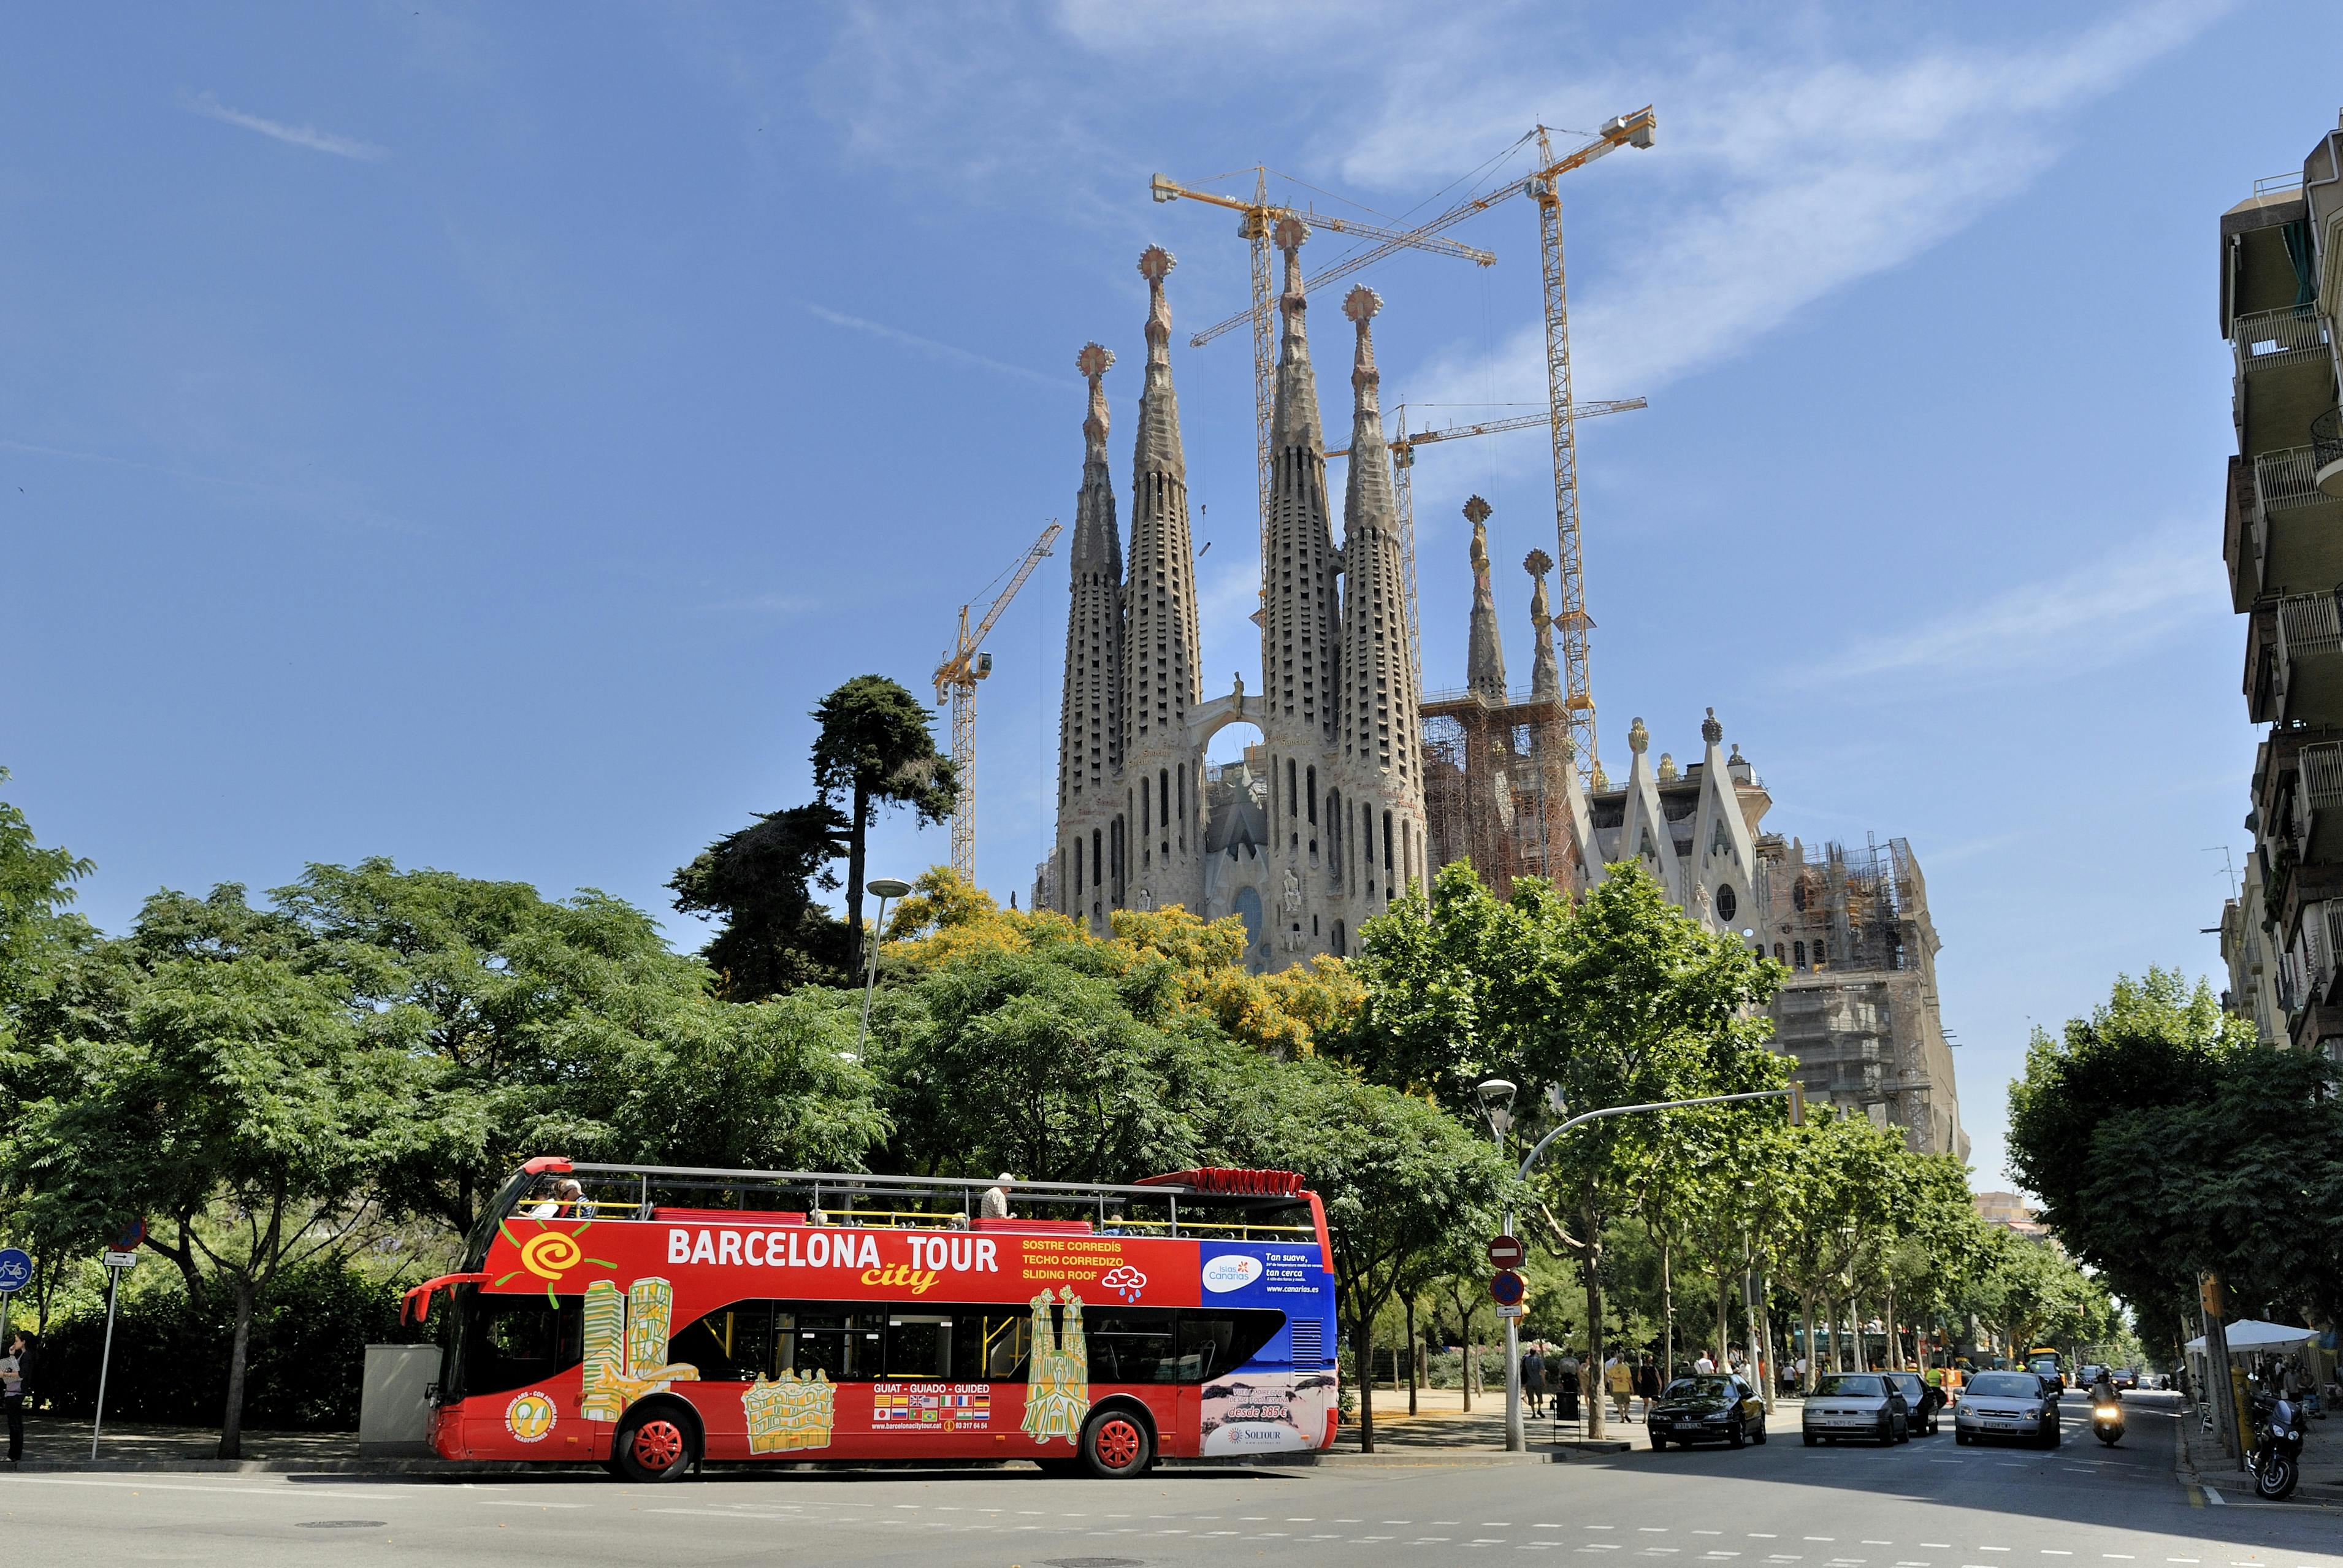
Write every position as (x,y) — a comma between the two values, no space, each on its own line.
(1861,902)
(1492,787)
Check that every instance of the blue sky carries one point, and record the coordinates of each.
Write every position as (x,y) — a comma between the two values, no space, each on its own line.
(430,432)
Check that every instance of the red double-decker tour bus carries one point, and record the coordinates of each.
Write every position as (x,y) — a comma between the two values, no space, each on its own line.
(659,1316)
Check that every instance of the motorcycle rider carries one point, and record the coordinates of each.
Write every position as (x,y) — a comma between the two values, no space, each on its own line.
(2103,1389)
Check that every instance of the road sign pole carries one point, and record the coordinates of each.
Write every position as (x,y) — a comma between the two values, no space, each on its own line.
(1515,1442)
(105,1359)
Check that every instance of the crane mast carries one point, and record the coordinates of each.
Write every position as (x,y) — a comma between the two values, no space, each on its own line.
(955,677)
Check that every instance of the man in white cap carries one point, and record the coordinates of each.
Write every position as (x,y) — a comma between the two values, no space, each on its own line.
(996,1198)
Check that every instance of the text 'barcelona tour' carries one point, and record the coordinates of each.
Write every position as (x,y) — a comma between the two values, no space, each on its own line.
(801,1248)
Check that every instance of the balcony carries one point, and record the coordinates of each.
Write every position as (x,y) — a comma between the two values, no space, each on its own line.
(2285,376)
(2296,523)
(2241,537)
(2294,660)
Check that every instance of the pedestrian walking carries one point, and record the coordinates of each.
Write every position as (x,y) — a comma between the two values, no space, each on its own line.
(1533,1379)
(1619,1382)
(12,1399)
(1704,1366)
(1647,1381)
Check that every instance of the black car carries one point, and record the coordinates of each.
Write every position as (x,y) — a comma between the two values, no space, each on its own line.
(1926,1402)
(1710,1408)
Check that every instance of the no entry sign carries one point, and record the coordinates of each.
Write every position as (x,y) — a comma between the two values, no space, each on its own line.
(1507,1252)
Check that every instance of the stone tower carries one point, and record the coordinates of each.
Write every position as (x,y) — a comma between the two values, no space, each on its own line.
(1545,675)
(1161,682)
(1089,718)
(1484,658)
(1321,825)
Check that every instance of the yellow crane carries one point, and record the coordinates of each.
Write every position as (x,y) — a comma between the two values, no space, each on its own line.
(1633,130)
(963,665)
(1402,453)
(1259,216)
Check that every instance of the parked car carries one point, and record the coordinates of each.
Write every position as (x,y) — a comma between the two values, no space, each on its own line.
(1856,1404)
(1926,1400)
(1710,1408)
(2013,1404)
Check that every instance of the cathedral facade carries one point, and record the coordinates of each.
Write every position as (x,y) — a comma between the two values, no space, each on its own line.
(1321,824)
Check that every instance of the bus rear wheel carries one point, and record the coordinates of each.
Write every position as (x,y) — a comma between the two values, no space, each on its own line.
(653,1447)
(1116,1445)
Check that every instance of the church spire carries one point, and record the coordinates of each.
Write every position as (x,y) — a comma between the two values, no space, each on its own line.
(1163,682)
(1089,716)
(1545,676)
(1299,633)
(1485,663)
(1381,702)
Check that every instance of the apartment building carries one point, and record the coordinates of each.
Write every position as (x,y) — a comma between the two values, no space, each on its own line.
(2281,287)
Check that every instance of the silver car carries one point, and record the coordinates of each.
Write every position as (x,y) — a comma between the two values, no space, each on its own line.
(2012,1404)
(1856,1404)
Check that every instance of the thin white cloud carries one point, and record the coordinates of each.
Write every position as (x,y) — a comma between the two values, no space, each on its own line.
(2092,617)
(1774,182)
(310,137)
(930,347)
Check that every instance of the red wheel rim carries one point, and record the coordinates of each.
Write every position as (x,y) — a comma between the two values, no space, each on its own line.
(658,1444)
(1118,1443)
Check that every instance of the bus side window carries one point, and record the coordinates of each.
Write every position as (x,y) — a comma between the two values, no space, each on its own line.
(1128,1346)
(731,1345)
(844,1347)
(1211,1343)
(509,1341)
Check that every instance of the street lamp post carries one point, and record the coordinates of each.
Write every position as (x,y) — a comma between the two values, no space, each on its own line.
(886,887)
(1795,1095)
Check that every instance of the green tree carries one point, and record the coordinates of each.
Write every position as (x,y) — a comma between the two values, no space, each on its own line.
(526,1007)
(1399,1178)
(760,879)
(38,935)
(875,749)
(1620,999)
(247,1105)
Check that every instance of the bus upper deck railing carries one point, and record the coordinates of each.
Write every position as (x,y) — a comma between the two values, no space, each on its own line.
(1231,1205)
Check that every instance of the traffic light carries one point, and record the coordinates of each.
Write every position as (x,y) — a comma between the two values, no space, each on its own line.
(1797,1103)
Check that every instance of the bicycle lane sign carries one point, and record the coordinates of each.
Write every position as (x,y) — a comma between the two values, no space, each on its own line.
(16,1270)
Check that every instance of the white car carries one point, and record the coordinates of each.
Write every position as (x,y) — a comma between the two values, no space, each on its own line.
(1856,1404)
(2012,1404)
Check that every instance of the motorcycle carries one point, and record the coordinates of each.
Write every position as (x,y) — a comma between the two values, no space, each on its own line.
(2276,1461)
(2108,1423)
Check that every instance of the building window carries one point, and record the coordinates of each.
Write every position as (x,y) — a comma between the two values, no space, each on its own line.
(1078,866)
(1098,847)
(1341,951)
(1822,953)
(1779,957)
(1727,906)
(1799,949)
(1314,795)
(1293,797)
(1387,855)
(1146,814)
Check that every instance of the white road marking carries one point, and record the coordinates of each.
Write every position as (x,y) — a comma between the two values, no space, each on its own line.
(2215,1499)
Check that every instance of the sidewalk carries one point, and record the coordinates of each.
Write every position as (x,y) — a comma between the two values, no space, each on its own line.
(2200,1457)
(1440,1423)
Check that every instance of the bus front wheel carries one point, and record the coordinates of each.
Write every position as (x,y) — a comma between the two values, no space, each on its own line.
(655,1445)
(1116,1445)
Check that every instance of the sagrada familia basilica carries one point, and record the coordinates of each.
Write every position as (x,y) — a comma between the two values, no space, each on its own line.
(1362,786)
(1323,825)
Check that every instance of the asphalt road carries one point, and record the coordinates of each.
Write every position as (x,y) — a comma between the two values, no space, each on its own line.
(1924,1505)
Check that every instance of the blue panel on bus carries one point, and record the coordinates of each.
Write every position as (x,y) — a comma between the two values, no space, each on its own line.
(1262,1274)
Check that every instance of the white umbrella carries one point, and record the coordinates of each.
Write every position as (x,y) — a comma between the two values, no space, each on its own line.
(2251,1334)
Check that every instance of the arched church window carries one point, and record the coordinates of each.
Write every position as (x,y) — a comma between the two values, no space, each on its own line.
(1313,794)
(1800,950)
(1779,957)
(1727,904)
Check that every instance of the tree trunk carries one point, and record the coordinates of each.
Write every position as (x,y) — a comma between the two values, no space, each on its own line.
(1724,1326)
(1667,1318)
(1362,1331)
(1807,1347)
(1414,1356)
(1465,1337)
(1895,1340)
(1590,1380)
(854,846)
(231,1443)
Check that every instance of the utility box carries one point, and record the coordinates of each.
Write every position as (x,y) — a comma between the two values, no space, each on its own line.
(395,1408)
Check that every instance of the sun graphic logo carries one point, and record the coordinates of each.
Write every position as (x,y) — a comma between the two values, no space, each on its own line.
(547,1254)
(530,1416)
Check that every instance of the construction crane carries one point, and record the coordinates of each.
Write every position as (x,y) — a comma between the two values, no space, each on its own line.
(1402,454)
(1635,130)
(1260,216)
(956,679)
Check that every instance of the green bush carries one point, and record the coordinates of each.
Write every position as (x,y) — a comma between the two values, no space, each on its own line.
(309,1334)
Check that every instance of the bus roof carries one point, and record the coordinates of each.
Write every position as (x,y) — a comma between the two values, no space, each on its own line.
(1217,1183)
